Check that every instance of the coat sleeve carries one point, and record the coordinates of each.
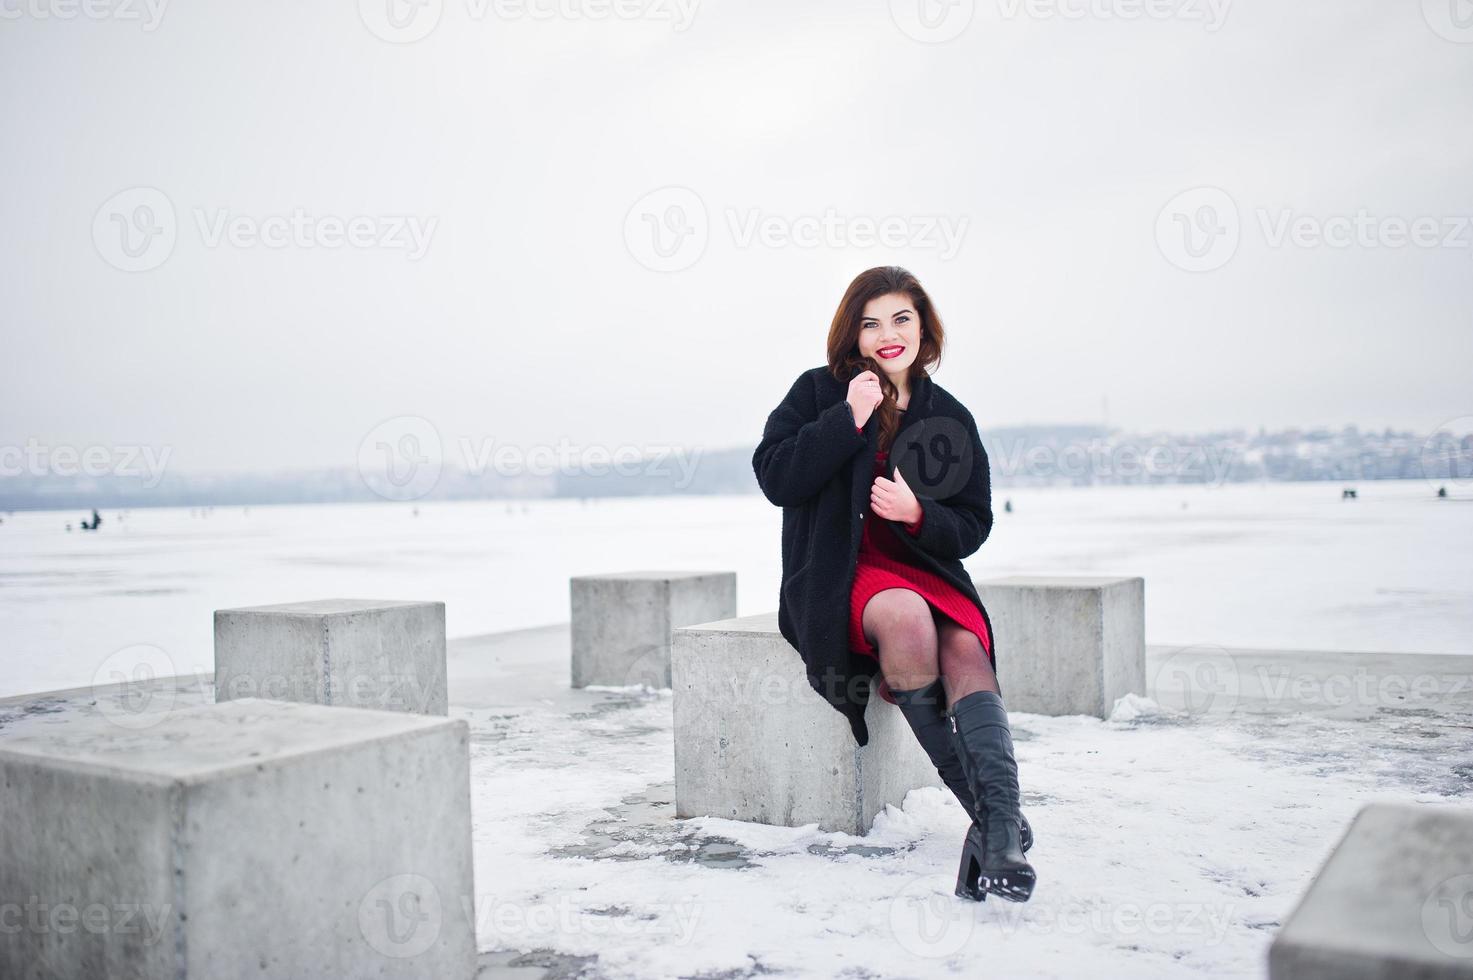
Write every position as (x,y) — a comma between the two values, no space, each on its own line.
(802,448)
(957,526)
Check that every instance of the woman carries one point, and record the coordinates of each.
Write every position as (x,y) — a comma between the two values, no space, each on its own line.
(885,487)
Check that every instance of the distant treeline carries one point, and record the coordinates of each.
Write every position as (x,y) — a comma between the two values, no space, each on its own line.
(1079,455)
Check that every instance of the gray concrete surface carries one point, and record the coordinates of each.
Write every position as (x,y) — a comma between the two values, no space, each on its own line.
(753,741)
(380,654)
(1393,901)
(622,621)
(244,839)
(1067,645)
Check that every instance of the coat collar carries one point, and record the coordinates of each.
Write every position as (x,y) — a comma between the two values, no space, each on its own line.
(920,397)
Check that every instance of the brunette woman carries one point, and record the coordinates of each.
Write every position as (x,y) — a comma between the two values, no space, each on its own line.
(885,488)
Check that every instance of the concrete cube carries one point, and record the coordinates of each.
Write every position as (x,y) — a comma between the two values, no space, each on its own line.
(1067,645)
(247,839)
(1394,900)
(621,622)
(753,741)
(360,653)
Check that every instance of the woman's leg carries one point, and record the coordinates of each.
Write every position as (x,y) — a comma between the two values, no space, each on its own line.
(899,623)
(963,663)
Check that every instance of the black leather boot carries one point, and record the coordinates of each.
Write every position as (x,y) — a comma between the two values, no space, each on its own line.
(924,709)
(992,856)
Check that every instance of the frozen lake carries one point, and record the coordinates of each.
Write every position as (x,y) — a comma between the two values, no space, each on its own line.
(1277,565)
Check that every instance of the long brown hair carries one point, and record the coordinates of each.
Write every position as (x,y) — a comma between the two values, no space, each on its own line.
(845,360)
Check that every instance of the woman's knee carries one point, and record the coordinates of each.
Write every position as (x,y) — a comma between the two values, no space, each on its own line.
(959,649)
(904,628)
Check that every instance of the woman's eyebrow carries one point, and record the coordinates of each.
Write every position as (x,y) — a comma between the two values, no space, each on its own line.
(873,319)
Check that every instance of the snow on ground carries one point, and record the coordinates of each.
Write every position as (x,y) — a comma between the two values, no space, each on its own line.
(1173,839)
(1170,842)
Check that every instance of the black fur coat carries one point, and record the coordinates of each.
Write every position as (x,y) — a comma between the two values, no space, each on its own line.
(814,463)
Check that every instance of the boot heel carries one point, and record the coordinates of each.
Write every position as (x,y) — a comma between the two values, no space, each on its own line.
(968,884)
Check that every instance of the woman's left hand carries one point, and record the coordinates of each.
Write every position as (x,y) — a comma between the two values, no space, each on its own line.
(893,499)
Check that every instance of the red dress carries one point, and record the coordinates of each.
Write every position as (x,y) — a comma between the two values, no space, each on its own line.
(884,564)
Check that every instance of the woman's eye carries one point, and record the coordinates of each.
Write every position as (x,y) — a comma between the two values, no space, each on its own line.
(902,319)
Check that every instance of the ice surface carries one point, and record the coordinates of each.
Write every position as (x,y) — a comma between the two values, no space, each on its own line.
(1284,565)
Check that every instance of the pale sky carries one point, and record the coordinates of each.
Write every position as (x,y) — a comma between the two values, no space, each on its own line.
(1149,209)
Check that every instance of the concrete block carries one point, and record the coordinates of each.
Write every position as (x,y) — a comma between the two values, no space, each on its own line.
(1067,645)
(1393,901)
(753,741)
(621,622)
(360,653)
(247,839)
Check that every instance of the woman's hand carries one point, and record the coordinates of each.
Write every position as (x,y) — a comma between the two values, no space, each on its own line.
(894,500)
(864,396)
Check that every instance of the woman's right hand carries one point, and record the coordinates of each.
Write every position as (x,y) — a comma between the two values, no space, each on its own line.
(864,396)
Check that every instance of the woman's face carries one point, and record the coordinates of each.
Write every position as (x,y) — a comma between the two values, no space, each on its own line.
(890,333)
